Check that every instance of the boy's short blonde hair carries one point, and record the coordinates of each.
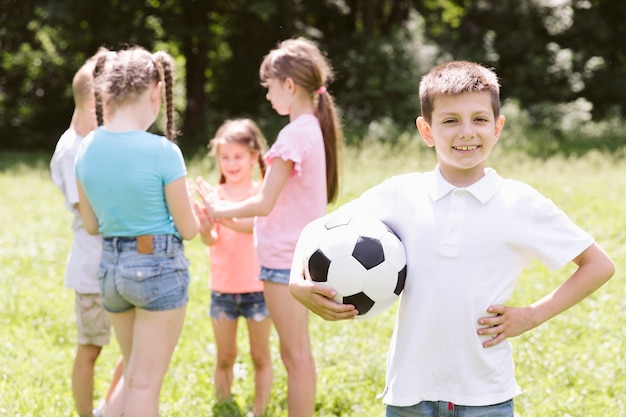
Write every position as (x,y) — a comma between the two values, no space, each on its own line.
(83,81)
(454,78)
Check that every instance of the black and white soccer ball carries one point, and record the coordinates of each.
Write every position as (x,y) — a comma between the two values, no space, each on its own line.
(359,257)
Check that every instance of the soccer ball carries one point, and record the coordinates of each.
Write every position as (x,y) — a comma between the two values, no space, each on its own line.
(359,257)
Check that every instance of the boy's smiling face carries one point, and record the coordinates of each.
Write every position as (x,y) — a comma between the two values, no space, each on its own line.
(463,129)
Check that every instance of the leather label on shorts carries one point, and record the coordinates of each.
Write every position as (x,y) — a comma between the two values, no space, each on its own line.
(144,244)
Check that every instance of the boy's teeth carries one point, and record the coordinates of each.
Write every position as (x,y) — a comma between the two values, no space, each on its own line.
(466,148)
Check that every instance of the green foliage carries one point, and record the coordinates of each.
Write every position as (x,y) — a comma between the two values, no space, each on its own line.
(377,81)
(565,129)
(548,54)
(44,46)
(572,365)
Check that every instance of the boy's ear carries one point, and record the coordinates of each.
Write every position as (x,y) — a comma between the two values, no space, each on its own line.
(425,131)
(499,126)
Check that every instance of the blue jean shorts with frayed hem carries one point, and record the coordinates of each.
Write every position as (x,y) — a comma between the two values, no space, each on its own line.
(278,276)
(156,281)
(250,305)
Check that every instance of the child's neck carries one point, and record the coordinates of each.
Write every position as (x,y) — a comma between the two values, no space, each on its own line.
(136,115)
(128,118)
(301,107)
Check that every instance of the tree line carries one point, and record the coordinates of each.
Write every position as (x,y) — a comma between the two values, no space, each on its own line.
(546,52)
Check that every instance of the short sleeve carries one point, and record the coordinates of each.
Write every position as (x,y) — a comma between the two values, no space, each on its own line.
(69,182)
(172,162)
(556,240)
(289,146)
(62,168)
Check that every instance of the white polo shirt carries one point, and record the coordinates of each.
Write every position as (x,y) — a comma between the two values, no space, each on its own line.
(84,257)
(465,250)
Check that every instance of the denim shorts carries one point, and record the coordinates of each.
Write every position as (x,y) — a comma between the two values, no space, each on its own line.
(446,409)
(157,281)
(250,305)
(279,276)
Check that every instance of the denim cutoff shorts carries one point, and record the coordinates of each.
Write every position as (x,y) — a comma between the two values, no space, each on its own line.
(278,276)
(250,305)
(155,282)
(446,409)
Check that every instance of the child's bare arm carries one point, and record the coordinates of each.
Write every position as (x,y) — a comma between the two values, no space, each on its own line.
(86,211)
(207,232)
(260,204)
(180,205)
(595,268)
(245,225)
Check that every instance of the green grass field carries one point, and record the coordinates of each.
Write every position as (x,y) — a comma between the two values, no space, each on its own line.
(574,365)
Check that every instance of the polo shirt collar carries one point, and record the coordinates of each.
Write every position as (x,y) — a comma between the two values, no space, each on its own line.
(482,190)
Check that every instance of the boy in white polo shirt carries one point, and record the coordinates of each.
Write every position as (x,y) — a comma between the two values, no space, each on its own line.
(94,328)
(468,234)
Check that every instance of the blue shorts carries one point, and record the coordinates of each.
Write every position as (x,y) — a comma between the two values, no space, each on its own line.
(250,305)
(151,281)
(446,409)
(278,276)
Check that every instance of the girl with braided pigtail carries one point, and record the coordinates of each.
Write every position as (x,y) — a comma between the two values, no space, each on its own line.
(132,190)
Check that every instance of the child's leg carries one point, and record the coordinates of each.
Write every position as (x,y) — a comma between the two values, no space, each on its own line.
(82,377)
(123,324)
(93,331)
(118,371)
(292,324)
(147,340)
(225,331)
(259,333)
(116,395)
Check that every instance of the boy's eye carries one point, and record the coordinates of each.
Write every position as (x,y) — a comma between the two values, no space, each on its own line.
(448,121)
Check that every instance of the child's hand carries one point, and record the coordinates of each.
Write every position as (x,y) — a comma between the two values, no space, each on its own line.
(504,322)
(318,298)
(206,223)
(208,195)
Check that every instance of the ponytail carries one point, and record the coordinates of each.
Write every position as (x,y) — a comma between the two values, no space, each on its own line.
(326,113)
(163,62)
(97,70)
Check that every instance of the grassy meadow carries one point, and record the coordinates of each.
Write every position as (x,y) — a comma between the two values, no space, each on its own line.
(574,365)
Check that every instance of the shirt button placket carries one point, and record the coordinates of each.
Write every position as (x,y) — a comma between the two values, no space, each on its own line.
(452,237)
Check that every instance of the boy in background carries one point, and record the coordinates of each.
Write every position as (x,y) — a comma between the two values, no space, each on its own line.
(93,325)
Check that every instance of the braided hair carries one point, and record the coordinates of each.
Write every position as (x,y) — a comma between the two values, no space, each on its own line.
(121,77)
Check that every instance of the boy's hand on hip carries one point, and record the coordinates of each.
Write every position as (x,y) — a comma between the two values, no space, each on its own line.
(504,322)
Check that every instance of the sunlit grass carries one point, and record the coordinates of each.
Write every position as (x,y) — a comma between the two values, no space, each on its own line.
(574,365)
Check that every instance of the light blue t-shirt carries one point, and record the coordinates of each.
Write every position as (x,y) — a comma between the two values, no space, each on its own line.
(124,175)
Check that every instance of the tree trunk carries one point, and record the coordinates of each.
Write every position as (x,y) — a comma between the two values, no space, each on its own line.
(195,46)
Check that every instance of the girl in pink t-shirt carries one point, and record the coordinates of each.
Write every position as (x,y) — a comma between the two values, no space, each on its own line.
(235,288)
(300,181)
